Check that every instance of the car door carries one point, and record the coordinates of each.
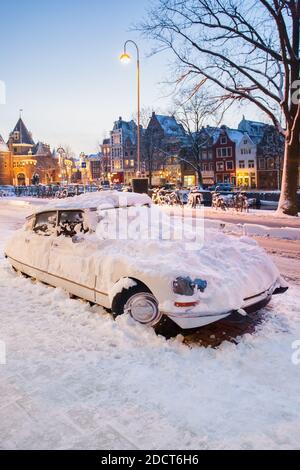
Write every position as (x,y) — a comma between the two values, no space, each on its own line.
(72,257)
(37,244)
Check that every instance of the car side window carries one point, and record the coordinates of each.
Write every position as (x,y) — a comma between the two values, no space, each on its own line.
(45,223)
(71,223)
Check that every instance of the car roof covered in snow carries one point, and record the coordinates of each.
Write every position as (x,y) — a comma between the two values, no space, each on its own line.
(96,200)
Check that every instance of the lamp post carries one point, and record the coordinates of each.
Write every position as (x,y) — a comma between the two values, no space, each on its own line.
(125,58)
(62,154)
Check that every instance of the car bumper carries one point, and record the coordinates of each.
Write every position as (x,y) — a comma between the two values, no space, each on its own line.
(188,320)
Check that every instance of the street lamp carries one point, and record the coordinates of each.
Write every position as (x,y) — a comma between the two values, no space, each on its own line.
(61,152)
(125,58)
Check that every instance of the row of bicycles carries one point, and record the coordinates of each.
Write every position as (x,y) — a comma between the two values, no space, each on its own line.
(194,199)
(238,202)
(177,197)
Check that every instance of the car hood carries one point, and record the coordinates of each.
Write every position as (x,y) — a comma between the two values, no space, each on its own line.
(234,268)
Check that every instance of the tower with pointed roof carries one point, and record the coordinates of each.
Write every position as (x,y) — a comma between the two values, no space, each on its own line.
(21,145)
(30,161)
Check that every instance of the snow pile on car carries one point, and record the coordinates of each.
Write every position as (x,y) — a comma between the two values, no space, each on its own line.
(99,200)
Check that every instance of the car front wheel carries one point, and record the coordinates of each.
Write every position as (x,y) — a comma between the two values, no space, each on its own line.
(142,306)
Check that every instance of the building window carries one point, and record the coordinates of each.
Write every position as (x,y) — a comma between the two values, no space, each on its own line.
(210,155)
(224,152)
(229,165)
(261,164)
(204,155)
(224,140)
(241,163)
(270,163)
(251,164)
(131,162)
(220,166)
(211,167)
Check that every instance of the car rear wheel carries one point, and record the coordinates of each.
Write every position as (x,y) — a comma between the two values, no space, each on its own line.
(142,306)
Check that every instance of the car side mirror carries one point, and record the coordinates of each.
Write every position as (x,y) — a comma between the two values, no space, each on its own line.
(77,239)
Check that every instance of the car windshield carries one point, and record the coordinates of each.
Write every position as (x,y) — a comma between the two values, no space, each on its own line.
(45,223)
(70,223)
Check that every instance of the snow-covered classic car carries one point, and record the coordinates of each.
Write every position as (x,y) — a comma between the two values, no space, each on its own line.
(93,246)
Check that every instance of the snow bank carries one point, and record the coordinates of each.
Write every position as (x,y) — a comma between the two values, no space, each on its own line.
(284,233)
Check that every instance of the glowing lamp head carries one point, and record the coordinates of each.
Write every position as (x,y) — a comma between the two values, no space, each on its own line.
(125,58)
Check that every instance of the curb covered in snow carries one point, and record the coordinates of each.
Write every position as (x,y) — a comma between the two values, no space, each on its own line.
(285,233)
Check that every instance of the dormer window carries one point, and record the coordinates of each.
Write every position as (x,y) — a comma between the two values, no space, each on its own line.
(224,140)
(16,135)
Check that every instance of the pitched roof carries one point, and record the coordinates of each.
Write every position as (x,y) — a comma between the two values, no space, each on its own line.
(254,129)
(42,149)
(3,146)
(170,126)
(129,129)
(235,135)
(24,135)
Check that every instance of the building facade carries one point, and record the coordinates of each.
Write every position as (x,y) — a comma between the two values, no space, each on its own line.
(106,159)
(270,153)
(224,156)
(123,148)
(5,163)
(24,162)
(162,143)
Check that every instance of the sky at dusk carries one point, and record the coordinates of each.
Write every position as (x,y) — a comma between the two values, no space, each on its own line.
(59,60)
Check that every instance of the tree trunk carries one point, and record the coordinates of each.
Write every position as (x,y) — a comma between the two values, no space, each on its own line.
(288,197)
(200,178)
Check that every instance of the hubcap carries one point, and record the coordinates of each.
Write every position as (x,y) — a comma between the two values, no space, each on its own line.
(143,308)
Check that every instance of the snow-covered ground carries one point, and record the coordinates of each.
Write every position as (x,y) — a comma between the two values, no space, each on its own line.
(264,223)
(74,378)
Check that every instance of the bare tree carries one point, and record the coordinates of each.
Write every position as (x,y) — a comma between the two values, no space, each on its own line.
(145,115)
(68,152)
(249,49)
(192,110)
(151,143)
